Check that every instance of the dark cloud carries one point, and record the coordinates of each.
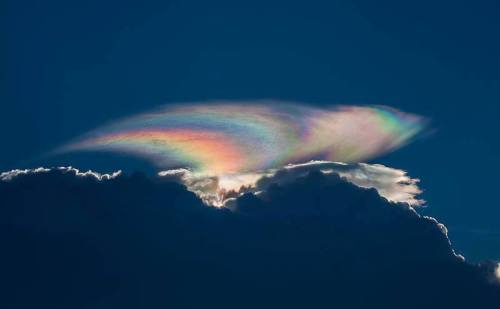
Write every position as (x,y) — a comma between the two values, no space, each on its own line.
(86,240)
(391,183)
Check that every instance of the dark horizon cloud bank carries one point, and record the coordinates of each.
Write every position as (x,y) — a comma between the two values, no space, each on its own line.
(310,235)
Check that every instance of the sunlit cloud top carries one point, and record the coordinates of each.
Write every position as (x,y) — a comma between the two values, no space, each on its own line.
(224,138)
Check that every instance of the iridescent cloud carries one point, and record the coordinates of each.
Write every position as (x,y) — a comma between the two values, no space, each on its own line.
(225,138)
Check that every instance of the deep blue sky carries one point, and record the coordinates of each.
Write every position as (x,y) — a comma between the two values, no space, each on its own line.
(70,66)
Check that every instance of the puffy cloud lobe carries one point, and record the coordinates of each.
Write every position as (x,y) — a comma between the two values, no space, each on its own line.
(206,187)
(312,241)
(9,175)
(393,184)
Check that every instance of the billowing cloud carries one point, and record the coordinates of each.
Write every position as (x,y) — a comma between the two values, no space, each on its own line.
(9,175)
(313,239)
(242,137)
(393,184)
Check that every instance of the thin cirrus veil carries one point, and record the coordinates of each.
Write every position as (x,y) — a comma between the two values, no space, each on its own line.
(221,138)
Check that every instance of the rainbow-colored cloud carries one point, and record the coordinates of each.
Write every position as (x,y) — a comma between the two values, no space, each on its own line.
(225,138)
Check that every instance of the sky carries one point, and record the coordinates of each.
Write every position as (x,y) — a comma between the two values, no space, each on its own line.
(70,67)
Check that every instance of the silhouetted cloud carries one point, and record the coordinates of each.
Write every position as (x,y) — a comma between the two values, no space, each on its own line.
(391,183)
(9,175)
(85,240)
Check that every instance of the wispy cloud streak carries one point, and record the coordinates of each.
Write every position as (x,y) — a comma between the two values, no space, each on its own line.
(237,137)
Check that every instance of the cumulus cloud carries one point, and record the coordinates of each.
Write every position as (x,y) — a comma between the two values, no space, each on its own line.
(9,175)
(308,238)
(391,183)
